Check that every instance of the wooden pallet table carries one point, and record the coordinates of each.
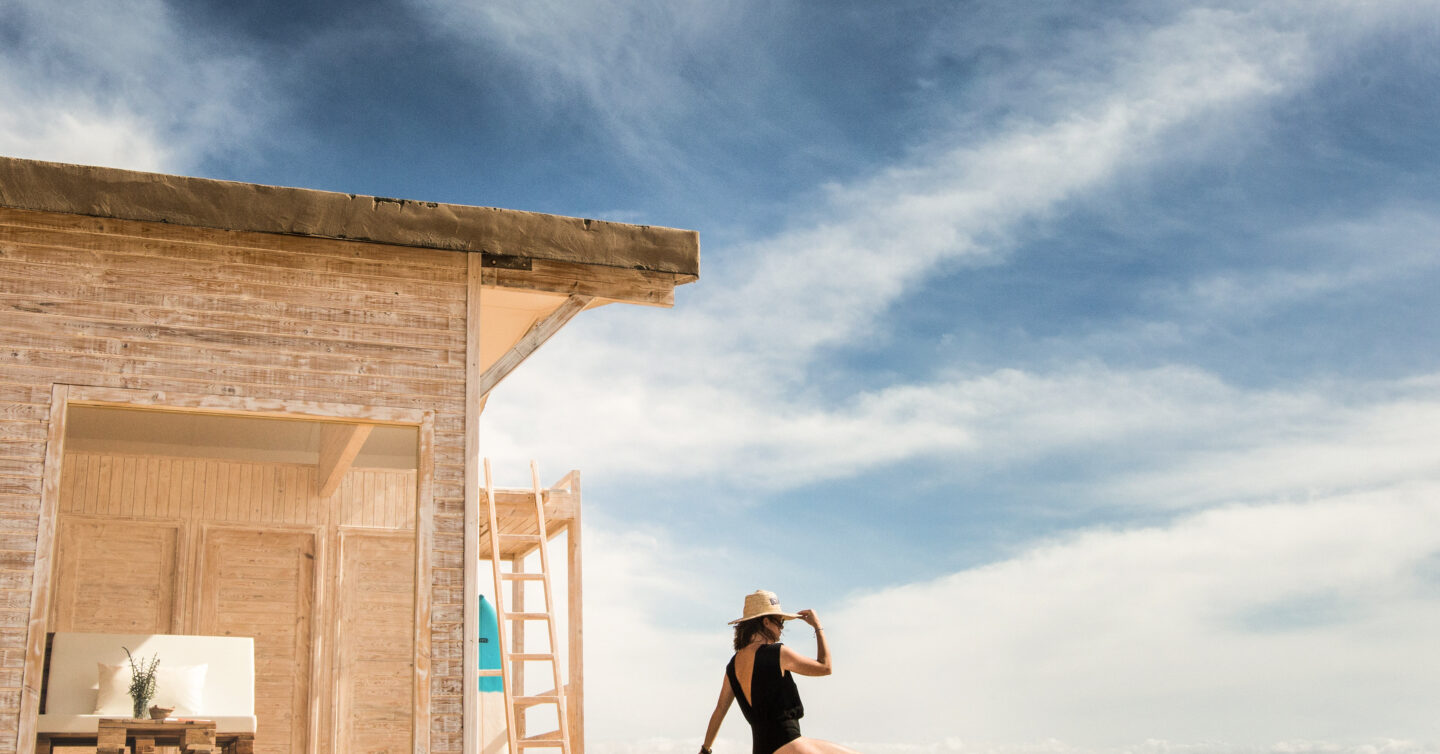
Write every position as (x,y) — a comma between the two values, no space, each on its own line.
(192,736)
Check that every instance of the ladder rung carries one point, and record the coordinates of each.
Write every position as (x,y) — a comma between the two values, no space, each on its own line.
(528,701)
(523,576)
(522,537)
(531,656)
(552,736)
(527,616)
(492,673)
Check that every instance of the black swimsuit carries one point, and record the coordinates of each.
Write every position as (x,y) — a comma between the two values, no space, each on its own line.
(775,716)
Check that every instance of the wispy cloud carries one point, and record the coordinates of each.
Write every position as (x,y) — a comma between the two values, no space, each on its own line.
(735,361)
(1310,260)
(121,85)
(625,63)
(828,282)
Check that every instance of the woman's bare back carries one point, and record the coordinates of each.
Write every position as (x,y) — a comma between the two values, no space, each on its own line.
(745,669)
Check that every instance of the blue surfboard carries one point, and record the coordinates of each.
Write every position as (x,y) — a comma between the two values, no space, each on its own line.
(489,646)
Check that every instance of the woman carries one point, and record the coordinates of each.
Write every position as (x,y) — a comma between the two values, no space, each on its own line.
(759,675)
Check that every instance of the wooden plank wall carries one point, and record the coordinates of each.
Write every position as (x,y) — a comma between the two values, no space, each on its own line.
(101,302)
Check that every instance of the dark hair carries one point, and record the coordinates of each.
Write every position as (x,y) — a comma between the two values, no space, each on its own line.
(745,631)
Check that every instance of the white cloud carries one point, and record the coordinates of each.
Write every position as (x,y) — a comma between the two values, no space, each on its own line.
(1173,437)
(65,132)
(1338,448)
(1241,624)
(1237,629)
(122,86)
(638,666)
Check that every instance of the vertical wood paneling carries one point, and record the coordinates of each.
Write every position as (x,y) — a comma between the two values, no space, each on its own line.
(232,491)
(374,657)
(260,583)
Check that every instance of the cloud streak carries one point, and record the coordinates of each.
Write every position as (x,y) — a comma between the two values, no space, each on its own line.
(122,86)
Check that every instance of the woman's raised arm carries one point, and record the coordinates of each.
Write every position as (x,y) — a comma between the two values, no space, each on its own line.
(797,663)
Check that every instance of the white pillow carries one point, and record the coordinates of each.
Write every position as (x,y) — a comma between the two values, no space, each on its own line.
(112,696)
(181,687)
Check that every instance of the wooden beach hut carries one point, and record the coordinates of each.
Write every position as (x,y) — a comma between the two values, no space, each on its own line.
(233,409)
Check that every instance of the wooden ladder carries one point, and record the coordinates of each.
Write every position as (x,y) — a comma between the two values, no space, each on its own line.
(516,702)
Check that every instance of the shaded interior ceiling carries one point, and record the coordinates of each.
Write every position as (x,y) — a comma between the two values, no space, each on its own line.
(181,433)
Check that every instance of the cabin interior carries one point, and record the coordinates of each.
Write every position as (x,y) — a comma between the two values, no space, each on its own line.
(298,532)
(208,524)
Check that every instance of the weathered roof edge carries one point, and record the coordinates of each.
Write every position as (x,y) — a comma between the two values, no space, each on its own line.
(230,205)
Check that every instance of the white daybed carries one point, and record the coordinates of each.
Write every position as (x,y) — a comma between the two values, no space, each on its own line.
(203,677)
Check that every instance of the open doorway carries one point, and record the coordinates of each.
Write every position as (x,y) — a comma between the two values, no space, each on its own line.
(301,531)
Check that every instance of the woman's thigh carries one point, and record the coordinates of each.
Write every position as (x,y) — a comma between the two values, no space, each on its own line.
(805,745)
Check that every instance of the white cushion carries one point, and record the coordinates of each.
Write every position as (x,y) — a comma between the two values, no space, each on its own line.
(228,681)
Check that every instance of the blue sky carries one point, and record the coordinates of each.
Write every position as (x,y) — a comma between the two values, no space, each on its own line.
(1079,362)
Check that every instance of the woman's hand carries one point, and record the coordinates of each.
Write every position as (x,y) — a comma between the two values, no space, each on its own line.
(810,617)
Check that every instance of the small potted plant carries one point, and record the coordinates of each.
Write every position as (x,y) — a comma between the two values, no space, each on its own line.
(142,681)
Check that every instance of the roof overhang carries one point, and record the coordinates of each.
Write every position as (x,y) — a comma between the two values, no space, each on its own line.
(509,236)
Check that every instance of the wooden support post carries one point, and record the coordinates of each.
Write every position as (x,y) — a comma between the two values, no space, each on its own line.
(574,609)
(424,541)
(40,582)
(470,616)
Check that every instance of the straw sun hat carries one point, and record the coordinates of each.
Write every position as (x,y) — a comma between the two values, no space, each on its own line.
(760,603)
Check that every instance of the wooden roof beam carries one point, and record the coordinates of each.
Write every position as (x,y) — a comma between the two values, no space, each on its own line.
(339,444)
(606,284)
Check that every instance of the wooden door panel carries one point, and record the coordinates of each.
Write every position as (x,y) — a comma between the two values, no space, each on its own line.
(261,583)
(375,642)
(114,577)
